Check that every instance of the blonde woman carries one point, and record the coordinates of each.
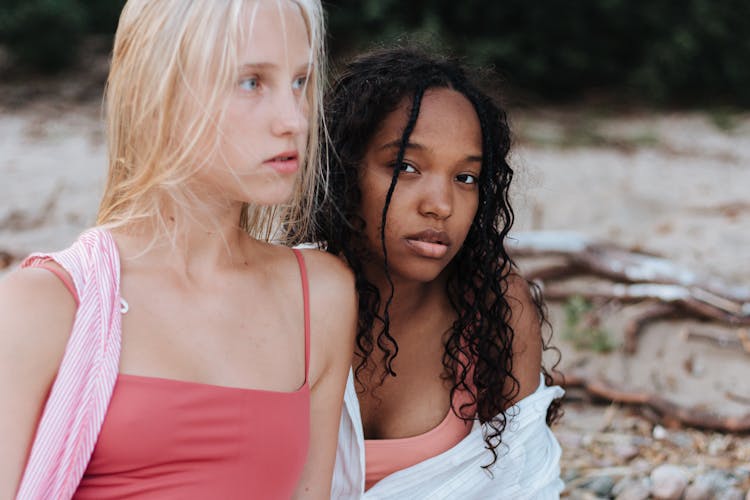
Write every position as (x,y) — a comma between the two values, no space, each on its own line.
(172,352)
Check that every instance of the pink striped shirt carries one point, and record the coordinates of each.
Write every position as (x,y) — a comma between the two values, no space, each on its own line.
(79,397)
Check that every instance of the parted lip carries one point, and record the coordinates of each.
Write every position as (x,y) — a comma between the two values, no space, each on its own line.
(285,156)
(431,236)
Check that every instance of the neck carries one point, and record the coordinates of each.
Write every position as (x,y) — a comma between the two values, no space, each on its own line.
(414,302)
(192,243)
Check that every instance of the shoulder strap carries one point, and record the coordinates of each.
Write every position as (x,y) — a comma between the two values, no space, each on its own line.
(45,264)
(306,302)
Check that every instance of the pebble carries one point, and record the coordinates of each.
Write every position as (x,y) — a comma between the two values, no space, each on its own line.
(601,486)
(633,490)
(701,489)
(706,485)
(719,445)
(626,451)
(624,484)
(570,474)
(681,440)
(668,482)
(732,493)
(659,432)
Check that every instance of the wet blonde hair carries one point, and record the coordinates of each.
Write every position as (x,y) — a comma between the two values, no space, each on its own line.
(173,65)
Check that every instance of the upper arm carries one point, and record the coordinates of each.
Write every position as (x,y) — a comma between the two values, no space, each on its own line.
(527,336)
(36,316)
(333,307)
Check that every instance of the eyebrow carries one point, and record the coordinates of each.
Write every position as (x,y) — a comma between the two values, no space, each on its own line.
(419,147)
(302,68)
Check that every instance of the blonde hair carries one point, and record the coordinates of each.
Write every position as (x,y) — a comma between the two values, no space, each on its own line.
(173,64)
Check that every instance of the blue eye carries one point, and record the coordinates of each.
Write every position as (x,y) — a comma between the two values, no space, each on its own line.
(299,83)
(249,84)
(467,178)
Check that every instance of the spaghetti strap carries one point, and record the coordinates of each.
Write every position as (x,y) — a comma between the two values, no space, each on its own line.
(44,264)
(306,305)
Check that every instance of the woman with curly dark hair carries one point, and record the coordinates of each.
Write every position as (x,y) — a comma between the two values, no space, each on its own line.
(446,398)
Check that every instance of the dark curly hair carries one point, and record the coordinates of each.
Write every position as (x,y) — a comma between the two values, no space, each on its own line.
(477,357)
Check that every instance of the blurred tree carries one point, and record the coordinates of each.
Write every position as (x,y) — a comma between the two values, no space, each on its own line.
(42,33)
(45,34)
(693,52)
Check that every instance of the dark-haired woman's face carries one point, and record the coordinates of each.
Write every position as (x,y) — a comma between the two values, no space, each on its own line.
(437,194)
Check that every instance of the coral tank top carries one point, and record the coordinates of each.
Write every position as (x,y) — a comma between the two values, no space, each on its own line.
(386,456)
(170,439)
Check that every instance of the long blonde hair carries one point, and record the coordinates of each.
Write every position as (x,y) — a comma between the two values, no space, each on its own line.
(173,64)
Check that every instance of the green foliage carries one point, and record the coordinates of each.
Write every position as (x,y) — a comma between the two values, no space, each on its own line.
(582,327)
(45,34)
(42,33)
(692,52)
(689,52)
(102,15)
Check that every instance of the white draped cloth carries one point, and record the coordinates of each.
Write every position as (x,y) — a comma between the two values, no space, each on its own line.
(527,467)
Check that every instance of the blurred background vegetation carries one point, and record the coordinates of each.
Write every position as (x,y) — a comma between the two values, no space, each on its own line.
(664,52)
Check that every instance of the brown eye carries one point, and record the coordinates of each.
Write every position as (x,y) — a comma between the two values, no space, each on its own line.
(405,167)
(467,178)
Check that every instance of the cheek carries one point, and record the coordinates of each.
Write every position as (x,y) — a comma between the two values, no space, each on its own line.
(469,214)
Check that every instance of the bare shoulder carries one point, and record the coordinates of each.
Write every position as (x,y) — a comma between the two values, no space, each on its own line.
(524,309)
(36,314)
(330,279)
(333,300)
(527,334)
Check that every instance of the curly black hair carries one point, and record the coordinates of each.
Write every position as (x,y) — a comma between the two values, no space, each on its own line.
(477,357)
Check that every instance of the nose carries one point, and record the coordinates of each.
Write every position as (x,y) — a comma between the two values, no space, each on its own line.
(290,114)
(437,199)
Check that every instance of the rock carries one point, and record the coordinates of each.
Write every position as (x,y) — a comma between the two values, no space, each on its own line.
(732,493)
(621,485)
(719,445)
(601,486)
(640,465)
(707,485)
(701,489)
(626,451)
(626,483)
(681,440)
(570,474)
(668,482)
(634,490)
(659,432)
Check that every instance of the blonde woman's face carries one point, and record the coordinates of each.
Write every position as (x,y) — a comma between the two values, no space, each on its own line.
(263,133)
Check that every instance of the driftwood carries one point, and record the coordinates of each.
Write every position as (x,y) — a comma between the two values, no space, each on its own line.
(648,403)
(634,276)
(628,276)
(740,340)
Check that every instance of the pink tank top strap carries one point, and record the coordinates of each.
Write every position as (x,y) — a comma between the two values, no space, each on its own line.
(306,305)
(45,264)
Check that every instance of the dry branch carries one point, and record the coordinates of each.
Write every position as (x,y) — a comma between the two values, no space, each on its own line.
(637,276)
(665,410)
(586,256)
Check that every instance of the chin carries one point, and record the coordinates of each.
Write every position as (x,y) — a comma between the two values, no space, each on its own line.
(271,195)
(421,271)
